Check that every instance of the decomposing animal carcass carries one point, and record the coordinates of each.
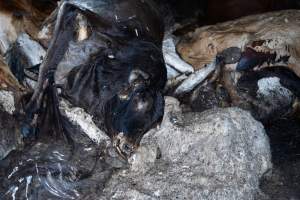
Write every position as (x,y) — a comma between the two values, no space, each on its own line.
(248,44)
(120,73)
(264,40)
(104,57)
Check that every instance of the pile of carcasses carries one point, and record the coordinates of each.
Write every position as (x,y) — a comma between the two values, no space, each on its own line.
(81,76)
(252,62)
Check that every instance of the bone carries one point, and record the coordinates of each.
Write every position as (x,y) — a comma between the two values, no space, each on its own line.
(172,59)
(79,117)
(195,79)
(171,72)
(7,101)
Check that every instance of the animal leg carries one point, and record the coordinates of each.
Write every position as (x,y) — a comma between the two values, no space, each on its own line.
(231,88)
(63,34)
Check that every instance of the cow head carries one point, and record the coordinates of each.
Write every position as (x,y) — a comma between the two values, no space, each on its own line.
(132,112)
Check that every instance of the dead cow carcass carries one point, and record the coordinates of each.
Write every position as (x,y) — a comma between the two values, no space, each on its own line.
(248,45)
(105,57)
(264,40)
